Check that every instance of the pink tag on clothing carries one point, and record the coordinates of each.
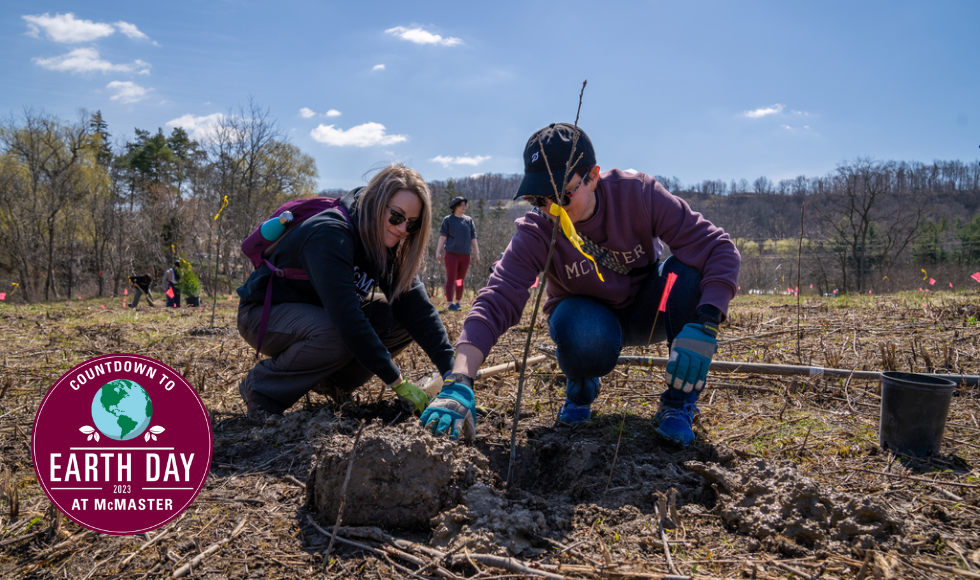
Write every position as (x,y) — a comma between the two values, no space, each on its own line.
(671,278)
(459,282)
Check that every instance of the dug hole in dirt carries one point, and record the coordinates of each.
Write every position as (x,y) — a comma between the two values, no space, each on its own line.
(450,495)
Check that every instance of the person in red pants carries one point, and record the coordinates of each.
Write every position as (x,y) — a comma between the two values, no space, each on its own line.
(457,236)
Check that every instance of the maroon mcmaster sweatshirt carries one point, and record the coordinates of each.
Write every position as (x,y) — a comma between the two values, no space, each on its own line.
(633,214)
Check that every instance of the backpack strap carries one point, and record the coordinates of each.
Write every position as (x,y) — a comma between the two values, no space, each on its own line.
(289,274)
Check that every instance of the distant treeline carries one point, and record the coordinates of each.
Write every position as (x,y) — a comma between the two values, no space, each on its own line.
(866,225)
(79,212)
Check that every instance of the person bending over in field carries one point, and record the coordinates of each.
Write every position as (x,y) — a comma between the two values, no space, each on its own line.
(605,285)
(362,304)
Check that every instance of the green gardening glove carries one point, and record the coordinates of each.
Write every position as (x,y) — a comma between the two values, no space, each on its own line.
(410,396)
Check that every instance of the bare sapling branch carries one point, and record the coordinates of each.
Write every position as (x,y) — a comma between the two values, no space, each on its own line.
(541,287)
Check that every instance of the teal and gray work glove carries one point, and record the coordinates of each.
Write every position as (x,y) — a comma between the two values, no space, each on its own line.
(690,357)
(453,411)
(411,397)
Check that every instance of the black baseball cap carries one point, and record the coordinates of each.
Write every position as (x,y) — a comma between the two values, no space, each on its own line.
(457,200)
(557,140)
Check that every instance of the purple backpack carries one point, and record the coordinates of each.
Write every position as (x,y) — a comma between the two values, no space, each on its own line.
(257,248)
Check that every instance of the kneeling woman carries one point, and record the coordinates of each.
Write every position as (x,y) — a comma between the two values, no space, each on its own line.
(362,305)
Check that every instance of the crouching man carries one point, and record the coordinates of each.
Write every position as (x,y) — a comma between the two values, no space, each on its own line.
(605,285)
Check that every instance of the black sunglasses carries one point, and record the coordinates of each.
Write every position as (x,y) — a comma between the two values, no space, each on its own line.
(397,218)
(542,200)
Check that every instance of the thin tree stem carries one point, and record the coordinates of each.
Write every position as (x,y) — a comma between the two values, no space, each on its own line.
(559,193)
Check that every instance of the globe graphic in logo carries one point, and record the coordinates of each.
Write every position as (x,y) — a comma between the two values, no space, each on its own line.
(122,410)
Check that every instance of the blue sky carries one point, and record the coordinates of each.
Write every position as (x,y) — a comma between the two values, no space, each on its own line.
(696,90)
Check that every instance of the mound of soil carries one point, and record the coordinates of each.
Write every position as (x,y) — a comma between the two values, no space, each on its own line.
(763,500)
(401,476)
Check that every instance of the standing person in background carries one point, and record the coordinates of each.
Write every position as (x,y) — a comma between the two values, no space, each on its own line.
(171,279)
(457,237)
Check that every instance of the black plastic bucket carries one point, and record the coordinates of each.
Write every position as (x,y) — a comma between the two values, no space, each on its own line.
(913,412)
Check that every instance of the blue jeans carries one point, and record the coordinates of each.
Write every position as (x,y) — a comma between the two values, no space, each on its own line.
(590,335)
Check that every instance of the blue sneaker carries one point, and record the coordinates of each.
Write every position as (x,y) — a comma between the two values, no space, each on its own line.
(675,423)
(572,413)
(454,307)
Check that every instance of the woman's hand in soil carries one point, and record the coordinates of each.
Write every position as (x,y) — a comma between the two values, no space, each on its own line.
(452,412)
(410,396)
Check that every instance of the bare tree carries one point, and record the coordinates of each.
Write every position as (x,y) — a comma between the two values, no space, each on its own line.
(871,219)
(257,170)
(762,185)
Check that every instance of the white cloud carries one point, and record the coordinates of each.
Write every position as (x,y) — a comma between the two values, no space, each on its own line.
(447,161)
(378,67)
(306,113)
(787,127)
(126,92)
(630,170)
(65,28)
(332,113)
(365,135)
(419,36)
(199,128)
(131,31)
(87,60)
(758,113)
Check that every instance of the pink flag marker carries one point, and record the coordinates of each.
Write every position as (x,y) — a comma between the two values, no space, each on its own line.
(230,297)
(3,295)
(170,292)
(950,284)
(535,283)
(932,281)
(976,276)
(125,291)
(103,306)
(671,278)
(79,297)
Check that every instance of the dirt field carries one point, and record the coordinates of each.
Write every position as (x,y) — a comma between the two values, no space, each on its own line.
(786,479)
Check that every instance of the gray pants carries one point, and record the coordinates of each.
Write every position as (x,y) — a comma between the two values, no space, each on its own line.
(306,348)
(137,293)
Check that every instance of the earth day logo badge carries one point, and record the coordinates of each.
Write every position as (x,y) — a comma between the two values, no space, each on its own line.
(122,444)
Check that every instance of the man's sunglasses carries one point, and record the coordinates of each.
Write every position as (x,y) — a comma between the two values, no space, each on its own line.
(542,200)
(397,218)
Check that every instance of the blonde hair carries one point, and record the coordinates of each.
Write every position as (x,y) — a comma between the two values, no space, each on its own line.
(372,205)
